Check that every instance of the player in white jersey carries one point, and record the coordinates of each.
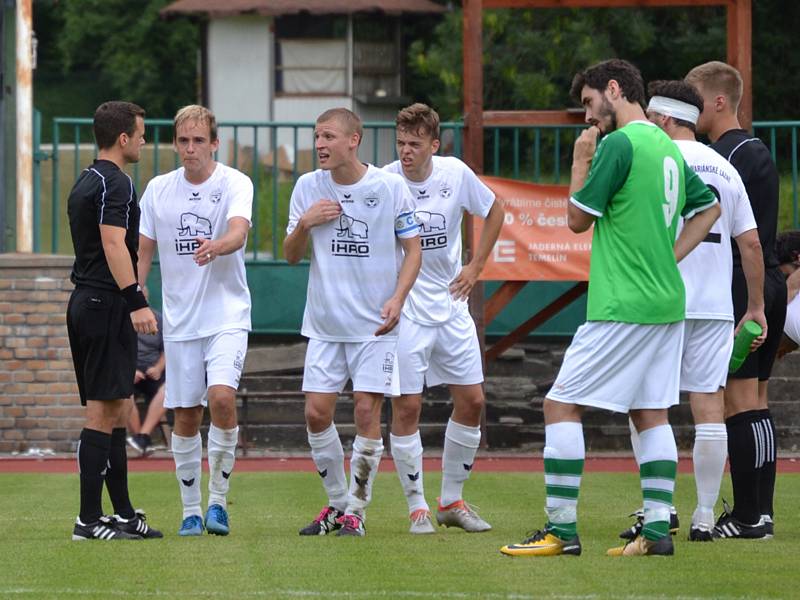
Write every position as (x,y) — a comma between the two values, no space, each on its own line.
(438,340)
(199,217)
(787,248)
(707,271)
(357,219)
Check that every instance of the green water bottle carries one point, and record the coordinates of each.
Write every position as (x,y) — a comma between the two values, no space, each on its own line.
(741,345)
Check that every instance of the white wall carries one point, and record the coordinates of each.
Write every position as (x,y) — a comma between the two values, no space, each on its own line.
(240,76)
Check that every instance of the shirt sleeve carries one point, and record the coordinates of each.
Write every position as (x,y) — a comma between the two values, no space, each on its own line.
(698,195)
(116,201)
(743,218)
(405,225)
(241,204)
(147,221)
(296,205)
(792,326)
(477,197)
(608,173)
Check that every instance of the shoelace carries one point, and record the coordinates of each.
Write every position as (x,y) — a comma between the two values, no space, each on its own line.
(323,514)
(418,516)
(535,536)
(220,516)
(351,521)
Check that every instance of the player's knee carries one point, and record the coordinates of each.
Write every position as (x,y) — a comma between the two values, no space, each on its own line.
(406,412)
(317,417)
(366,412)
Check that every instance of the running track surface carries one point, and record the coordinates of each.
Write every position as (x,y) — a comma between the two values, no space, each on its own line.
(496,464)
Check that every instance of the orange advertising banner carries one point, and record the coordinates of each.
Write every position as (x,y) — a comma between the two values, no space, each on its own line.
(535,243)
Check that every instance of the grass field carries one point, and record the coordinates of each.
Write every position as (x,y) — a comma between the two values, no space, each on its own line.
(265,558)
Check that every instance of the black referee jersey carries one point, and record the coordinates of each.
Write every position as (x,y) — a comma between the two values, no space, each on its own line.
(102,195)
(752,159)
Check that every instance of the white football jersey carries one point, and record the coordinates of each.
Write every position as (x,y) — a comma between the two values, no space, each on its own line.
(354,257)
(198,301)
(792,326)
(708,269)
(440,202)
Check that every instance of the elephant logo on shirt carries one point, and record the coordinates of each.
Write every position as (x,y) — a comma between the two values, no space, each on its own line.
(430,222)
(193,225)
(352,228)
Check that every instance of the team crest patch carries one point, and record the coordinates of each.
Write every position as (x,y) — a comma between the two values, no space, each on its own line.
(388,363)
(446,191)
(371,199)
(238,362)
(216,196)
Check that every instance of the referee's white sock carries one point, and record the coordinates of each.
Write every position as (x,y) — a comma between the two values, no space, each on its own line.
(364,463)
(328,456)
(407,455)
(188,455)
(709,456)
(221,457)
(460,445)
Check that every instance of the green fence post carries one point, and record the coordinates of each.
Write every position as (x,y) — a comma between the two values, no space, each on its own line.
(275,174)
(54,203)
(256,211)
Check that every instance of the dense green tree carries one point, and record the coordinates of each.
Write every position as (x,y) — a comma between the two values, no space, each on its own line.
(124,48)
(531,55)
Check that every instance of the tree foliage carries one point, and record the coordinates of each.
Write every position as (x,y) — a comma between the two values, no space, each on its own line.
(140,56)
(530,56)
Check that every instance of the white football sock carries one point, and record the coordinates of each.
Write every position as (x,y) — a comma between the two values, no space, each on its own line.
(407,455)
(328,456)
(188,455)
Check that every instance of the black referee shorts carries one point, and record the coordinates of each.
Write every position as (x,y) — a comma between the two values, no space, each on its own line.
(759,363)
(103,344)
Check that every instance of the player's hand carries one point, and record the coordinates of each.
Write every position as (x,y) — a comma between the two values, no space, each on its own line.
(154,372)
(463,284)
(586,144)
(758,316)
(206,252)
(390,315)
(138,376)
(321,212)
(144,321)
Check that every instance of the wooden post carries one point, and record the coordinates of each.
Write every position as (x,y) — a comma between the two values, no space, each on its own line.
(740,53)
(24,173)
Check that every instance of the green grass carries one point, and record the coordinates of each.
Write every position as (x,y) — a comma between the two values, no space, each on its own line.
(265,558)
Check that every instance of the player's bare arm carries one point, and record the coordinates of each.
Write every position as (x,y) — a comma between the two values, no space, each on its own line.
(234,239)
(753,267)
(119,263)
(412,261)
(695,230)
(147,249)
(582,154)
(463,284)
(295,244)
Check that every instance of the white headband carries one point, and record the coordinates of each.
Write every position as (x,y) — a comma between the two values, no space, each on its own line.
(674,108)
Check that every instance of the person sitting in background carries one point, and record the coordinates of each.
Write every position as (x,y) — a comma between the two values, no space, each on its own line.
(149,382)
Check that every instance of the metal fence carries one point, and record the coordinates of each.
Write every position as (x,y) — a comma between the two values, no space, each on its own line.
(275,154)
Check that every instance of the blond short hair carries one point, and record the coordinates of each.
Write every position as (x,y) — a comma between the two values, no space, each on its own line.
(198,114)
(419,119)
(718,78)
(347,118)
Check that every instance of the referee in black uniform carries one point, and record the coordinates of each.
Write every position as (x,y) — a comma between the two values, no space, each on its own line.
(751,431)
(105,312)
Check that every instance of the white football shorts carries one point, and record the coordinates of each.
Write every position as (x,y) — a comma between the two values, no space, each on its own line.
(707,347)
(371,365)
(195,365)
(621,366)
(439,354)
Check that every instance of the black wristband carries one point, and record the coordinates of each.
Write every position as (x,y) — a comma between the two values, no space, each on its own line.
(134,297)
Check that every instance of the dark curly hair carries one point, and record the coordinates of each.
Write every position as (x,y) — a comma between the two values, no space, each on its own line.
(597,77)
(787,246)
(677,90)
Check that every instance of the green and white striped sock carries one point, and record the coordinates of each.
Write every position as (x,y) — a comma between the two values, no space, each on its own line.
(659,464)
(563,467)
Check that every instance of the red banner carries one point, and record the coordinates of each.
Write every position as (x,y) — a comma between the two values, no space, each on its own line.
(535,243)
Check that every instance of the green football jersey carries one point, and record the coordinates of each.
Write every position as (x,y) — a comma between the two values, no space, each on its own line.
(638,187)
